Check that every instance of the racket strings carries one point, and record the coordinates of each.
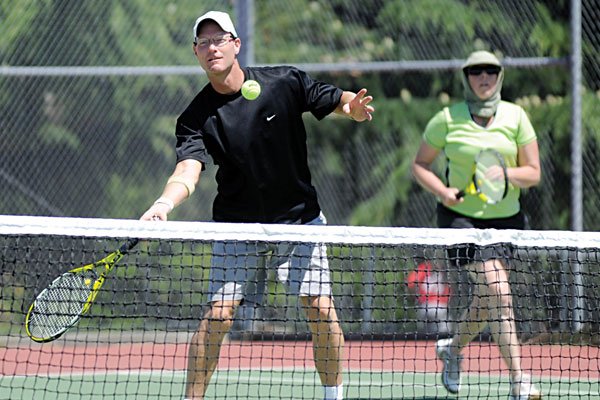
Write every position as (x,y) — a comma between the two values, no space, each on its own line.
(493,189)
(61,304)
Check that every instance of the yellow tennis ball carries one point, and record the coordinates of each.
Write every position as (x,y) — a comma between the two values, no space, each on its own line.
(250,90)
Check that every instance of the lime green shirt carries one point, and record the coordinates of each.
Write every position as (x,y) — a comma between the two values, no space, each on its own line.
(454,132)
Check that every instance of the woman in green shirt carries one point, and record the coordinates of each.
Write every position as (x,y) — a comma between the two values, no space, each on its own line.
(482,121)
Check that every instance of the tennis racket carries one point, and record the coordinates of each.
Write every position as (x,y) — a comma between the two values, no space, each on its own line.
(59,306)
(490,182)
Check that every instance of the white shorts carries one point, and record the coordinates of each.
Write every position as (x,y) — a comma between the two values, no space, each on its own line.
(238,269)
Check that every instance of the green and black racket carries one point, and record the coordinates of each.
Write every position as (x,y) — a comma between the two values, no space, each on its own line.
(60,306)
(490,182)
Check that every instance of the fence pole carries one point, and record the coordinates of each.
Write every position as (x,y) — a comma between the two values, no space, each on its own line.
(576,163)
(244,11)
(576,291)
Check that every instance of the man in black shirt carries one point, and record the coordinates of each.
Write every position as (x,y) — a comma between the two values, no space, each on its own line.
(263,177)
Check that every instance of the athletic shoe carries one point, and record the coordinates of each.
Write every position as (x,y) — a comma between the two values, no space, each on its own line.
(451,370)
(524,390)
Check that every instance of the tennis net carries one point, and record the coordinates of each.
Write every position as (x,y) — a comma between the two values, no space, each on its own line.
(133,342)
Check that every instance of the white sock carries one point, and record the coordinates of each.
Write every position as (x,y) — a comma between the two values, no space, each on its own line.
(334,392)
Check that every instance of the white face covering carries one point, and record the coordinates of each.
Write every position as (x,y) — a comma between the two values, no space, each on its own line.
(482,108)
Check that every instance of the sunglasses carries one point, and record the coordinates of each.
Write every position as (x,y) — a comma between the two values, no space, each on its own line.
(488,69)
(218,40)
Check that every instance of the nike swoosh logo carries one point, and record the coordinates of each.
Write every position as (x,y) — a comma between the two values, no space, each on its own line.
(271,117)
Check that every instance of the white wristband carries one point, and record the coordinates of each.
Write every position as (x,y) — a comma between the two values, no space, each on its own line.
(167,201)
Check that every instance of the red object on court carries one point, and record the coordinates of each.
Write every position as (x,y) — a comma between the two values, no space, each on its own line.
(429,285)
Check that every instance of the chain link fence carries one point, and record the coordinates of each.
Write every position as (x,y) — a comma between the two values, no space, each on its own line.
(89,94)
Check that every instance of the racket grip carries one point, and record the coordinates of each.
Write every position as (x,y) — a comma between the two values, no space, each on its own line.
(130,244)
(460,194)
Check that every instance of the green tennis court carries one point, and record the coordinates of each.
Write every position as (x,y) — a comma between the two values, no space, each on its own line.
(274,384)
(283,370)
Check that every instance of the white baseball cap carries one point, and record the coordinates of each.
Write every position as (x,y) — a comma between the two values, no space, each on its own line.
(221,18)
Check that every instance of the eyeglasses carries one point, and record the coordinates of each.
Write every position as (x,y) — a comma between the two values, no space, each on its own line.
(479,69)
(218,41)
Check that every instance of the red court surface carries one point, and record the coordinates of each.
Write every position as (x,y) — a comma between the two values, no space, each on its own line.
(581,362)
